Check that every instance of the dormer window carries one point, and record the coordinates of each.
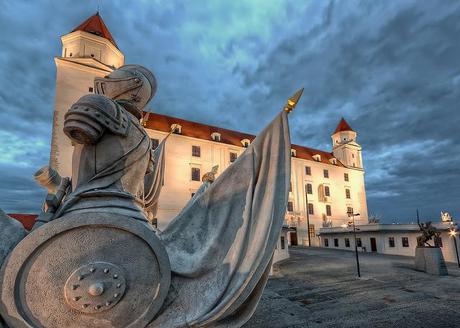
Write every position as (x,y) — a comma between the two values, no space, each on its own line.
(333,161)
(293,153)
(317,157)
(215,136)
(176,128)
(245,143)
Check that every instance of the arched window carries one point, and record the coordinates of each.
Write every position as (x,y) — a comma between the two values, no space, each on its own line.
(245,143)
(215,136)
(176,128)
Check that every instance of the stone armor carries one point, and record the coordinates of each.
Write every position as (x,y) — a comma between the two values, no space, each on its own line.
(106,162)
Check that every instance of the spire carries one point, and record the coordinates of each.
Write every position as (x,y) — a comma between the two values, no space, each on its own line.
(95,25)
(343,126)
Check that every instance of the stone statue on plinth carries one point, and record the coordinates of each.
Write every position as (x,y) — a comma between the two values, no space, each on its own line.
(94,260)
(429,258)
(428,233)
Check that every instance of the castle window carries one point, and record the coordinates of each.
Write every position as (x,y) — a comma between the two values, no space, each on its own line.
(196,151)
(293,153)
(90,89)
(309,188)
(155,143)
(70,55)
(290,206)
(233,157)
(307,170)
(326,173)
(195,174)
(311,231)
(347,242)
(333,161)
(405,241)
(92,55)
(347,193)
(215,136)
(326,242)
(345,176)
(290,186)
(317,157)
(310,209)
(245,143)
(176,128)
(327,191)
(336,242)
(282,242)
(391,241)
(349,210)
(328,210)
(359,243)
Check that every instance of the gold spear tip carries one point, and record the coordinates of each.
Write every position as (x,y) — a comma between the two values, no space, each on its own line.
(292,102)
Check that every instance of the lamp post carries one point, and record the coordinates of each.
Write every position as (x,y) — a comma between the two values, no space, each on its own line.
(352,216)
(453,233)
(308,219)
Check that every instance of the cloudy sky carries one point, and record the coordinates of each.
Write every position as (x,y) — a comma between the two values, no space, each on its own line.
(391,68)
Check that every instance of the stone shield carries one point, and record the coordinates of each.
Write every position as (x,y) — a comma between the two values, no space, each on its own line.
(86,270)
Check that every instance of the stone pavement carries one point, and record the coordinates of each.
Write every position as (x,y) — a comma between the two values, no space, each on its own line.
(319,288)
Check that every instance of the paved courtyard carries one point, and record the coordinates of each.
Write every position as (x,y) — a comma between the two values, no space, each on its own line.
(318,288)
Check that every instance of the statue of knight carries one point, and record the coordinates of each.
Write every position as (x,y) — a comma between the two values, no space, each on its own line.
(93,259)
(111,146)
(428,232)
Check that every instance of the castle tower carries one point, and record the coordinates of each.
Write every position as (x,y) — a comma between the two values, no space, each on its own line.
(88,51)
(344,146)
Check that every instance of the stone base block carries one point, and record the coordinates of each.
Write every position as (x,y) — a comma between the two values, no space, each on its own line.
(430,260)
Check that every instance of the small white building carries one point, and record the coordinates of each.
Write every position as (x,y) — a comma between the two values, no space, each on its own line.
(393,239)
(281,248)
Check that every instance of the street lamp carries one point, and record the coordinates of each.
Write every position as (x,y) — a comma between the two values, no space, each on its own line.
(352,216)
(308,219)
(453,233)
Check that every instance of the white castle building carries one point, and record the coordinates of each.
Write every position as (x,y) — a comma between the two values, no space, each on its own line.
(324,187)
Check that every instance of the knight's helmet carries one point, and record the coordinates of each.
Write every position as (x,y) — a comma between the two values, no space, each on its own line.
(132,85)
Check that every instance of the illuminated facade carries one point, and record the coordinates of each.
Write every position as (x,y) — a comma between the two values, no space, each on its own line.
(324,185)
(331,183)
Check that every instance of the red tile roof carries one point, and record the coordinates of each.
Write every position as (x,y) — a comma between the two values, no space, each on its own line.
(95,25)
(343,126)
(163,123)
(27,220)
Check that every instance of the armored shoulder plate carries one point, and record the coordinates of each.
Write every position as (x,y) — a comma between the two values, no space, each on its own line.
(91,115)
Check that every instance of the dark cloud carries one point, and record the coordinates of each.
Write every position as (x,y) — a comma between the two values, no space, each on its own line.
(390,68)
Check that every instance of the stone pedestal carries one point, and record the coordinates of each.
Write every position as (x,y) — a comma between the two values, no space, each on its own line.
(430,260)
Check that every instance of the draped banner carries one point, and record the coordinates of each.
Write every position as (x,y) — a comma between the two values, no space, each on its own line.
(220,246)
(153,181)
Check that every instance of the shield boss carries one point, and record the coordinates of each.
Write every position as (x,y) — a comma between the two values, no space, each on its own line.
(90,270)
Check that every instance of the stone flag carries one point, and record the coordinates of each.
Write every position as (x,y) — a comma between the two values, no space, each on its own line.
(220,246)
(154,180)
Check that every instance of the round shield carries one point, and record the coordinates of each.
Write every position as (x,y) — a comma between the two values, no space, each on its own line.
(85,270)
